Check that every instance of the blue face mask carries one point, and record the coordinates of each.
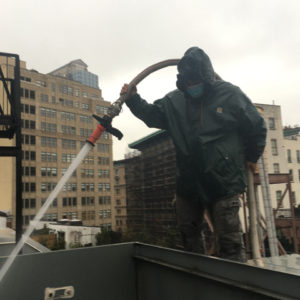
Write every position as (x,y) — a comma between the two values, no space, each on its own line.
(196,91)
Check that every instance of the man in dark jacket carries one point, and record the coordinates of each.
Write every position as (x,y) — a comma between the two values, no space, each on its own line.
(216,131)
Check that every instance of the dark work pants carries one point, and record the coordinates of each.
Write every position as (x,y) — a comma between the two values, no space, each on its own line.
(225,218)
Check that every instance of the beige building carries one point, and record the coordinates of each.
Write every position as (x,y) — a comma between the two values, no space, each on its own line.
(275,153)
(120,196)
(292,147)
(56,121)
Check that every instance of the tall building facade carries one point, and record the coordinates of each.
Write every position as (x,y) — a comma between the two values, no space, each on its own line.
(56,114)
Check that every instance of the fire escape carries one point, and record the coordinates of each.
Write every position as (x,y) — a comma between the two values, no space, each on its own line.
(10,123)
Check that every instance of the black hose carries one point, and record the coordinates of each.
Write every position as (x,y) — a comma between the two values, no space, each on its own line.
(116,107)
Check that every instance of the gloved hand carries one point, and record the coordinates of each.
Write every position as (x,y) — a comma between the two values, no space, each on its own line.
(124,90)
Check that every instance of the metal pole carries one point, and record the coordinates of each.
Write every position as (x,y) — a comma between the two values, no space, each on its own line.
(253,218)
(293,218)
(17,104)
(259,228)
(264,181)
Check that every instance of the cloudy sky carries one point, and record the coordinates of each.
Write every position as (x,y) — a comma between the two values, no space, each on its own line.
(254,44)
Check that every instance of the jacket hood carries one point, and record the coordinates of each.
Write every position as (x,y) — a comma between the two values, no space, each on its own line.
(196,65)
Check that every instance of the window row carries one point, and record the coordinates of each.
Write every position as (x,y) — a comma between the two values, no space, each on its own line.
(28,109)
(29,203)
(28,171)
(28,155)
(50,127)
(28,94)
(49,156)
(27,124)
(28,187)
(28,139)
(47,171)
(69,201)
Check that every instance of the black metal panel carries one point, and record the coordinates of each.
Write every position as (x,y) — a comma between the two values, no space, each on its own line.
(8,151)
(105,272)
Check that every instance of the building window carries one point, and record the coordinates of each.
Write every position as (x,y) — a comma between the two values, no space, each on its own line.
(50,127)
(48,112)
(298,156)
(101,109)
(28,124)
(294,198)
(28,139)
(103,160)
(87,173)
(47,141)
(48,156)
(274,147)
(68,144)
(289,155)
(299,175)
(103,173)
(32,109)
(102,200)
(67,116)
(276,168)
(44,98)
(69,201)
(52,172)
(85,187)
(85,132)
(85,119)
(278,198)
(87,201)
(28,171)
(25,155)
(291,175)
(272,124)
(103,187)
(70,187)
(47,186)
(103,147)
(68,129)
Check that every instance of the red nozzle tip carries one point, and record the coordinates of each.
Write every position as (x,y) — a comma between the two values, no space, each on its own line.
(96,134)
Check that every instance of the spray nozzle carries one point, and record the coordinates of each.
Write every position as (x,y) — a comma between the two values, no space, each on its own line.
(106,123)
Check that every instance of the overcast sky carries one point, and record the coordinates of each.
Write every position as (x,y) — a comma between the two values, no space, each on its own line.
(254,44)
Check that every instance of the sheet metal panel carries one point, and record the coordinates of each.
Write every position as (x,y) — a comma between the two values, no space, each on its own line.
(105,272)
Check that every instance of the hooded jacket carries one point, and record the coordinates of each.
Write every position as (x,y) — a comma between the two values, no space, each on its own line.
(213,135)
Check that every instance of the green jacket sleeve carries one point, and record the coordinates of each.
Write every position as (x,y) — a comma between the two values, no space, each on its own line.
(151,114)
(253,128)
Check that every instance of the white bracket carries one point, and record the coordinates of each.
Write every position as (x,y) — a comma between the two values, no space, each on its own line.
(64,292)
